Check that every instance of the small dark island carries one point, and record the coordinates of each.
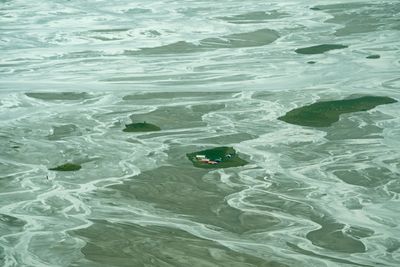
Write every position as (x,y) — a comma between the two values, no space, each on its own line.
(67,167)
(319,49)
(141,127)
(219,157)
(323,114)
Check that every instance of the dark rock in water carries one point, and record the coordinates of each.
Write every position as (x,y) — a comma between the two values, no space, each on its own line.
(311,62)
(219,157)
(67,167)
(323,114)
(315,8)
(319,49)
(373,56)
(141,127)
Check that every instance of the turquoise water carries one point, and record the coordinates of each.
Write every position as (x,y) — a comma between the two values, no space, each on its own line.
(209,74)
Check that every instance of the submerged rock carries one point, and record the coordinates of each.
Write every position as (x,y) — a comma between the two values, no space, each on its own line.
(323,114)
(67,167)
(319,49)
(141,127)
(219,157)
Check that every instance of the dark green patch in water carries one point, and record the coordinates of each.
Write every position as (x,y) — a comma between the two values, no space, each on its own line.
(255,38)
(225,157)
(128,244)
(359,17)
(141,127)
(175,95)
(369,177)
(111,30)
(13,222)
(67,167)
(333,237)
(313,254)
(319,49)
(254,17)
(323,114)
(373,56)
(59,96)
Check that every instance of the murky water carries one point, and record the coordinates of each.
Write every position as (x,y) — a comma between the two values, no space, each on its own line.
(209,74)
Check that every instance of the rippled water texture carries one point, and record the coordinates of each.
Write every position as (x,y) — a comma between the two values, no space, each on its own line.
(201,75)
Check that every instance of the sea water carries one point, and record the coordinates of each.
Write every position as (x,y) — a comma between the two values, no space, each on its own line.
(209,74)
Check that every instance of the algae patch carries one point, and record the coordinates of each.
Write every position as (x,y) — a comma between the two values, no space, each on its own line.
(319,49)
(141,127)
(323,114)
(67,167)
(219,157)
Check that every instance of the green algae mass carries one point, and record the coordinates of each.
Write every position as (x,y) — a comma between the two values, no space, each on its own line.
(319,49)
(141,127)
(67,167)
(323,114)
(225,156)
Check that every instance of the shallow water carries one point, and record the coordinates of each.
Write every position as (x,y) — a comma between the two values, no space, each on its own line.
(209,74)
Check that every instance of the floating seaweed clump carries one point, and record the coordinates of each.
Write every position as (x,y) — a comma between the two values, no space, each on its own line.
(141,127)
(323,114)
(67,167)
(219,157)
(319,49)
